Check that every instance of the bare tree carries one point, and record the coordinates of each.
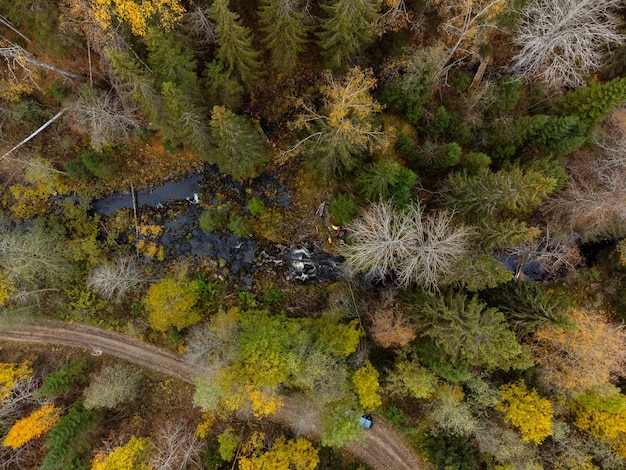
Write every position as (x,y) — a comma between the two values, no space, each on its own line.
(551,255)
(416,248)
(593,199)
(114,384)
(176,447)
(563,41)
(200,25)
(113,280)
(105,116)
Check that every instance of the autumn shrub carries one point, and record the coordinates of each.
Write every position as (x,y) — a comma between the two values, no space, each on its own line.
(130,456)
(34,425)
(170,302)
(10,375)
(367,387)
(527,411)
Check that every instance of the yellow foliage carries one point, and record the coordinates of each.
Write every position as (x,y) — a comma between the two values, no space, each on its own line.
(11,90)
(127,457)
(602,413)
(10,375)
(208,418)
(34,425)
(168,12)
(29,201)
(6,288)
(293,454)
(527,411)
(264,402)
(367,387)
(171,303)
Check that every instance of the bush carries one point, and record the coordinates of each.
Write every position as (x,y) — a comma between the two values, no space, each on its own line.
(239,226)
(77,170)
(474,162)
(99,164)
(256,206)
(210,221)
(344,208)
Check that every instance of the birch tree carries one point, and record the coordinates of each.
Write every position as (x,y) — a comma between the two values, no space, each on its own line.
(562,42)
(414,247)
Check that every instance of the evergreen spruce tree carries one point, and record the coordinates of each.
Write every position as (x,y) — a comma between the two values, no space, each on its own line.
(234,44)
(346,30)
(285,33)
(240,148)
(594,102)
(505,192)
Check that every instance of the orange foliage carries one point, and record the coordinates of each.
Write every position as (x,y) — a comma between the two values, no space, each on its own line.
(390,329)
(34,425)
(591,355)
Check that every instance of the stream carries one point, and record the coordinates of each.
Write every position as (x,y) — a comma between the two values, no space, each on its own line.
(176,206)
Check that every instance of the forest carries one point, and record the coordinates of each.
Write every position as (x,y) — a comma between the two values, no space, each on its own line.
(413,210)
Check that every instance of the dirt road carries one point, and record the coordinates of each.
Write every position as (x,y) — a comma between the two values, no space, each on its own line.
(382,448)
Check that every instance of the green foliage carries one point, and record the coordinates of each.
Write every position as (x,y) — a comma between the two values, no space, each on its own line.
(540,134)
(448,125)
(469,331)
(77,169)
(411,83)
(67,443)
(222,89)
(60,90)
(388,180)
(62,381)
(344,208)
(495,234)
(480,271)
(592,103)
(528,305)
(335,337)
(211,221)
(439,362)
(345,30)
(255,206)
(234,44)
(507,94)
(101,165)
(475,162)
(410,379)
(239,226)
(282,22)
(341,424)
(452,452)
(240,149)
(229,442)
(435,158)
(488,194)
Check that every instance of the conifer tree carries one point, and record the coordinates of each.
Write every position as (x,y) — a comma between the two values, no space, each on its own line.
(594,102)
(346,29)
(285,33)
(488,194)
(234,44)
(240,149)
(469,331)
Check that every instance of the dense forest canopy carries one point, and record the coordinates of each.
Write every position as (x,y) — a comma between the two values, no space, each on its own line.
(413,209)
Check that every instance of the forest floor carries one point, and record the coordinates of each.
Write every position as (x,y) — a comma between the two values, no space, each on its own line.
(382,447)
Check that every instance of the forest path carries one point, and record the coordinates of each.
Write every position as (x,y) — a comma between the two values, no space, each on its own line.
(382,447)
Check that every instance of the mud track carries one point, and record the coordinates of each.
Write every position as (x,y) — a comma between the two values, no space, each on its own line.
(382,447)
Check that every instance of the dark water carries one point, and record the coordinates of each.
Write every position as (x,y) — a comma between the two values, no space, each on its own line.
(177,207)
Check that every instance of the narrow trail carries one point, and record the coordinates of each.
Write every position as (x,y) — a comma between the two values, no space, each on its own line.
(382,447)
